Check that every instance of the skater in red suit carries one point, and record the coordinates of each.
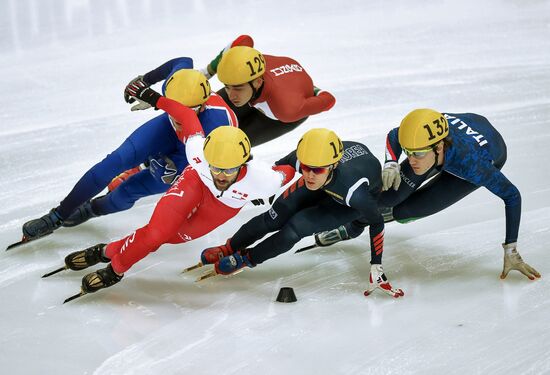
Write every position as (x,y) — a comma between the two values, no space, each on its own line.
(219,181)
(271,95)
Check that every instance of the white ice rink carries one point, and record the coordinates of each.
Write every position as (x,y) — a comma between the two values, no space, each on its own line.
(63,67)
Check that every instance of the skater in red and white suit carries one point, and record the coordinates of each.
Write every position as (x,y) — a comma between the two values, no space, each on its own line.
(219,181)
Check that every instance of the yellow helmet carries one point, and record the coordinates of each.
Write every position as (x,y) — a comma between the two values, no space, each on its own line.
(422,128)
(240,65)
(226,147)
(319,148)
(189,87)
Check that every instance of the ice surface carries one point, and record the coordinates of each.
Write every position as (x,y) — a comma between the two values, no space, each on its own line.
(63,68)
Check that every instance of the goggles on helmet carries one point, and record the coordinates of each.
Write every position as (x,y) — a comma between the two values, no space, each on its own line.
(228,172)
(417,154)
(316,170)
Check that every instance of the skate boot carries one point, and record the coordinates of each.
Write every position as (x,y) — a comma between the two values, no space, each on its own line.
(100,279)
(342,233)
(82,259)
(214,254)
(42,226)
(232,263)
(330,237)
(80,215)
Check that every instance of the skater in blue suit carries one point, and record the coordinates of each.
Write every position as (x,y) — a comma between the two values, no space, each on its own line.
(459,152)
(149,160)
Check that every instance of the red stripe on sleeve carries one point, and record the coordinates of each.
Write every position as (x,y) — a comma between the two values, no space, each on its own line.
(389,149)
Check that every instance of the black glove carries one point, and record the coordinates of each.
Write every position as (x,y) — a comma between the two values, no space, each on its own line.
(127,96)
(143,93)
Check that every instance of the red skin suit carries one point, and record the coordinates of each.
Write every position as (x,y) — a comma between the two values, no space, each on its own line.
(193,206)
(287,93)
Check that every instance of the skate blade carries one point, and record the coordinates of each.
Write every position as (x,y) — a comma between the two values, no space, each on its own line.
(207,275)
(194,267)
(306,248)
(25,240)
(71,298)
(213,273)
(55,271)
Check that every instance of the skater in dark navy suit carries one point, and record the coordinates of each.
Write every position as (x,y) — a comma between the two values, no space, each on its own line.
(460,153)
(340,183)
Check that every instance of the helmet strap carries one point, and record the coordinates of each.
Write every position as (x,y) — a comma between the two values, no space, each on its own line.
(256,92)
(329,178)
(434,148)
(237,175)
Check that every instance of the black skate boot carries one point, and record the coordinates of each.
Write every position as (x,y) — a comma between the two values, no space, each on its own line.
(82,259)
(100,279)
(80,215)
(330,237)
(43,226)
